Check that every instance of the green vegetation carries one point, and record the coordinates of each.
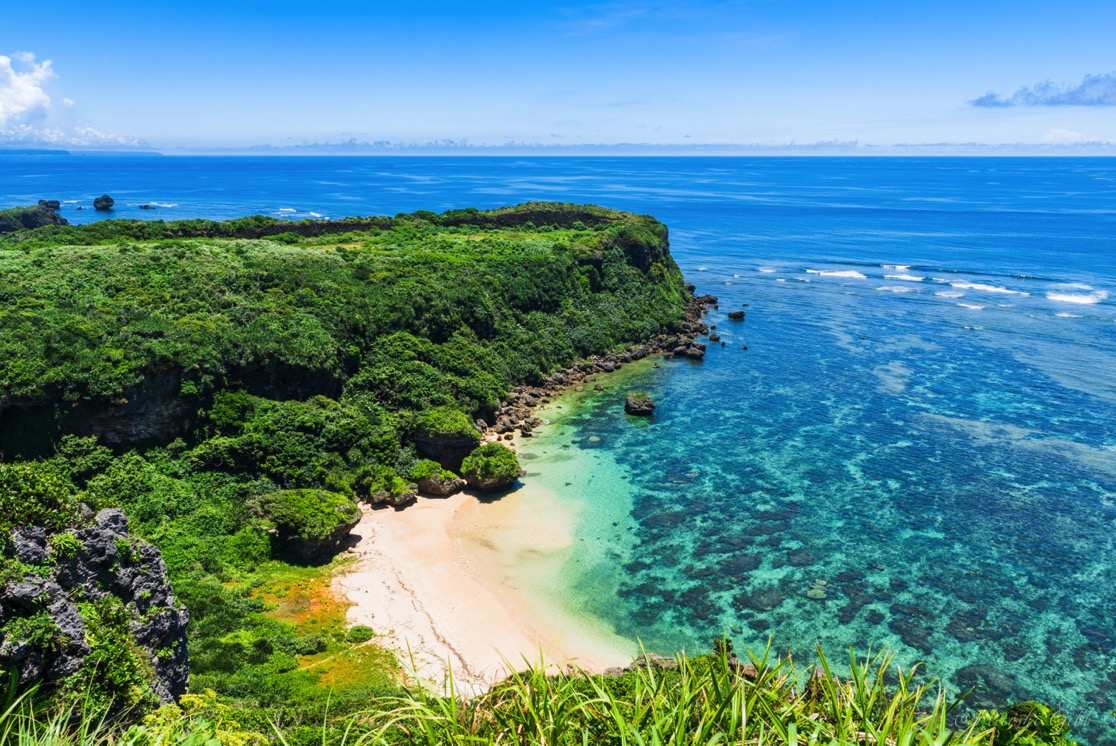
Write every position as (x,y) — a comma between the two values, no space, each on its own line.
(32,497)
(427,469)
(306,516)
(236,386)
(493,464)
(448,422)
(712,699)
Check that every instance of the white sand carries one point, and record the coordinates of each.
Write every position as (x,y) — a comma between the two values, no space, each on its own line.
(474,585)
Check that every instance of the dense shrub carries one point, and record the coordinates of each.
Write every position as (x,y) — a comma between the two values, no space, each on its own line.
(306,515)
(492,461)
(31,496)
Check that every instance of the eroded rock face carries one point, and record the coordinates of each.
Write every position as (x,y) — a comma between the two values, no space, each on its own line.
(448,449)
(103,563)
(103,203)
(27,218)
(440,487)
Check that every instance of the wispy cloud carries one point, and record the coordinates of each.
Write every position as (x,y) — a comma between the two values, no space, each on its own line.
(27,117)
(1094,90)
(23,96)
(28,135)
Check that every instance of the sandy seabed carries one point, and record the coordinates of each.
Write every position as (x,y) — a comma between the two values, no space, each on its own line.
(473,587)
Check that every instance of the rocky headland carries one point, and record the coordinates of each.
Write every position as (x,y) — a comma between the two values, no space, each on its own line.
(516,413)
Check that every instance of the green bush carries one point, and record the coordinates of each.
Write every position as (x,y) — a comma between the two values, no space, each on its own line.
(491,461)
(64,546)
(30,496)
(310,644)
(306,515)
(1027,723)
(447,421)
(427,469)
(359,633)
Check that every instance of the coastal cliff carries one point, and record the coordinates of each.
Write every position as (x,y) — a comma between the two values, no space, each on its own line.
(234,389)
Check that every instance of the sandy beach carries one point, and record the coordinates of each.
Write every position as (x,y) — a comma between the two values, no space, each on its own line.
(468,585)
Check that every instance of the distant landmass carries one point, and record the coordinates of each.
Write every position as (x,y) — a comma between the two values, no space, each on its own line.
(32,151)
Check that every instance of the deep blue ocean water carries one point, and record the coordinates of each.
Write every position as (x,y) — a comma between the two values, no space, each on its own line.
(917,449)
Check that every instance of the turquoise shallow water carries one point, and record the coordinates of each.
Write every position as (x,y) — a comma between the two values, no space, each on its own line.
(923,419)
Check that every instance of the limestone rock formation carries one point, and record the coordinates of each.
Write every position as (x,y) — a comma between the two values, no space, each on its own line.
(103,203)
(53,619)
(27,218)
(439,486)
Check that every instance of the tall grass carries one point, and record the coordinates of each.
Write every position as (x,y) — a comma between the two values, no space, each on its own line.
(708,700)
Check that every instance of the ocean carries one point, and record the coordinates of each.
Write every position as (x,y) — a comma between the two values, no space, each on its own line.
(908,444)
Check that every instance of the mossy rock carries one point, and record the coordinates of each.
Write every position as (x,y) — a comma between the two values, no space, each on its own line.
(491,467)
(445,435)
(432,479)
(396,491)
(308,522)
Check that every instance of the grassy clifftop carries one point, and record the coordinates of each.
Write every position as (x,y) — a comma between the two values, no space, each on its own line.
(120,318)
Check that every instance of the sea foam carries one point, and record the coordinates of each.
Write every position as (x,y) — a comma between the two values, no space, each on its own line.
(837,273)
(905,278)
(1079,298)
(987,288)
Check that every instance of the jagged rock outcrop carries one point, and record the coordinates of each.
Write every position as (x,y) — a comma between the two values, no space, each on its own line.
(53,619)
(394,499)
(27,218)
(440,486)
(103,203)
(50,204)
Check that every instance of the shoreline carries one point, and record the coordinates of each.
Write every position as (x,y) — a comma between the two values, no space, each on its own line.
(475,603)
(468,585)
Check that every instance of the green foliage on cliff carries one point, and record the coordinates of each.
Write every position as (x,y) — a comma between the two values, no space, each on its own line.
(32,496)
(427,469)
(227,382)
(447,421)
(306,515)
(491,461)
(90,310)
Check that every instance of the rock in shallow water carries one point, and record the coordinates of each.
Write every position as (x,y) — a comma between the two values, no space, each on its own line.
(639,405)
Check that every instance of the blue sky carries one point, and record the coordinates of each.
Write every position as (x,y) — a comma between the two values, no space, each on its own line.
(244,72)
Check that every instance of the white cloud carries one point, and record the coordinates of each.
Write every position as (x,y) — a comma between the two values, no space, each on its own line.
(76,137)
(26,115)
(22,88)
(1063,137)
